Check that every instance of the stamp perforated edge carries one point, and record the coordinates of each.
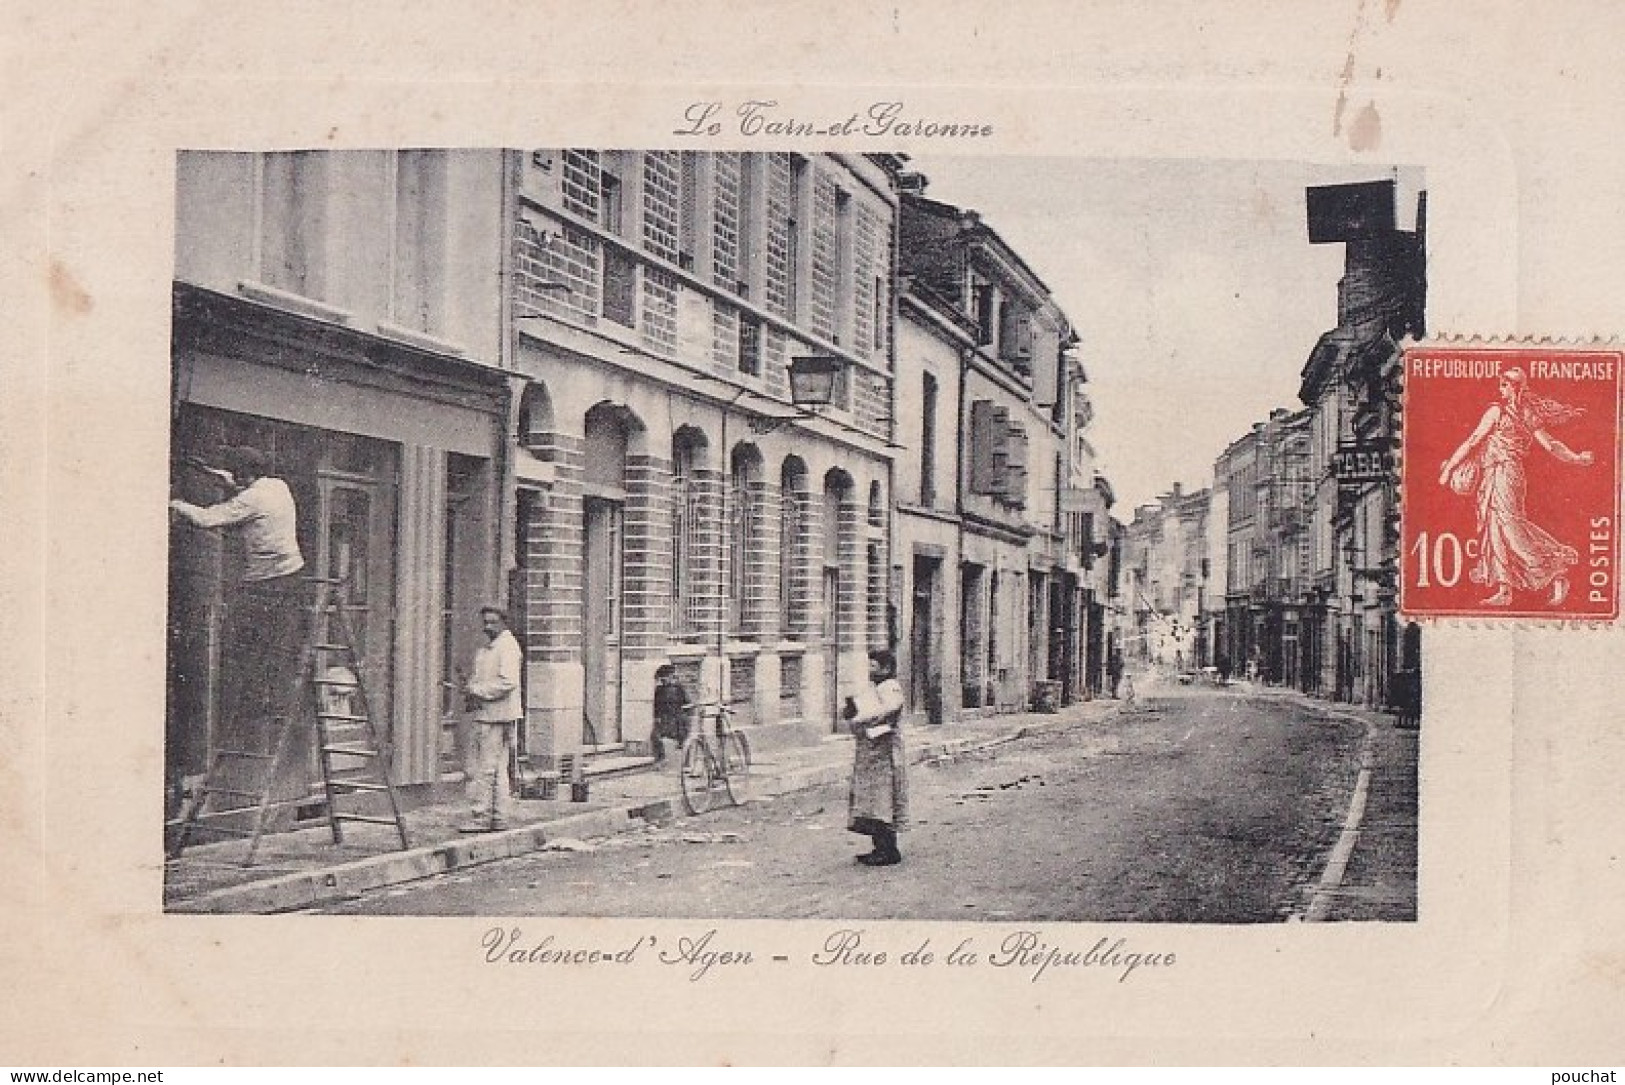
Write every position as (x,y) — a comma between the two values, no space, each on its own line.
(1614,343)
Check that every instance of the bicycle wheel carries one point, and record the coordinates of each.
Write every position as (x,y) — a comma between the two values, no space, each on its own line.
(698,776)
(736,766)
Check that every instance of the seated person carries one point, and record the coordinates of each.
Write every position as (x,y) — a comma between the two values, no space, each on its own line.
(670,712)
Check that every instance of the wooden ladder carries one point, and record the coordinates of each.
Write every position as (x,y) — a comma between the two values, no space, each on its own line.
(329,700)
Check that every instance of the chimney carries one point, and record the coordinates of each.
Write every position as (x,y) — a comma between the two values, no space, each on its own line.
(912,183)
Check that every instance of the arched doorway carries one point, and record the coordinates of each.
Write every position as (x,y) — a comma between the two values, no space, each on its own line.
(609,431)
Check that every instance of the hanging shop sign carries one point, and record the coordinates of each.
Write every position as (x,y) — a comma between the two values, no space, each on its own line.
(1362,463)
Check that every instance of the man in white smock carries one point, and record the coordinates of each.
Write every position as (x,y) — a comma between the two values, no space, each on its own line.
(493,697)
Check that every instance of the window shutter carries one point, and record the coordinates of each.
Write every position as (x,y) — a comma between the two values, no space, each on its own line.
(982,426)
(999,483)
(1024,336)
(1015,488)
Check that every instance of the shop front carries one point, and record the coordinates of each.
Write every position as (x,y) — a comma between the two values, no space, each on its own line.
(393,456)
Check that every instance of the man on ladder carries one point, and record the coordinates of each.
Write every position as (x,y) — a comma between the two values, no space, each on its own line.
(493,698)
(266,616)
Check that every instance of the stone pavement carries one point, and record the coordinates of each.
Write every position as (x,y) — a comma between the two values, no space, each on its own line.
(304,868)
(1371,874)
(1379,879)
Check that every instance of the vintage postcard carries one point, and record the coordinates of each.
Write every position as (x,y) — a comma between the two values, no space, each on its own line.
(1110,555)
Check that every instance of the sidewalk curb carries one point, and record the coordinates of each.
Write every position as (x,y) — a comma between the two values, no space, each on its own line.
(1331,878)
(347,881)
(1324,894)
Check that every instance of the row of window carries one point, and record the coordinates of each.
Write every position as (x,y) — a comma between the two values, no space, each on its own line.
(790,233)
(805,548)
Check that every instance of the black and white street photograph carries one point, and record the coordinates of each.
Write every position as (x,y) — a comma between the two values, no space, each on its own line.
(902,535)
(790,534)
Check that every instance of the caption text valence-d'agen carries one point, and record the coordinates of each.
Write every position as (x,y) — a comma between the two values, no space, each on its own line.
(763,117)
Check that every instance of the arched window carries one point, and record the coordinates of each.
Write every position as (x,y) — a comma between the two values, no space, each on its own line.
(792,557)
(535,429)
(744,475)
(687,454)
(839,593)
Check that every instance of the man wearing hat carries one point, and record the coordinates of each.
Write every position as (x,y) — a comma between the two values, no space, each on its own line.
(497,705)
(266,615)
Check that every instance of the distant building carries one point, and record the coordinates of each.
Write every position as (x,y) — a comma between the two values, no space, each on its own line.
(1168,568)
(1216,653)
(1350,383)
(1265,477)
(1021,611)
(934,340)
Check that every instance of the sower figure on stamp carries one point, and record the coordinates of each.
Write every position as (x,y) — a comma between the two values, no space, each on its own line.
(1513,553)
(493,697)
(265,617)
(878,802)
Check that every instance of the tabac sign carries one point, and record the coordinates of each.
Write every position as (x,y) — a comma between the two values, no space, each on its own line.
(1362,463)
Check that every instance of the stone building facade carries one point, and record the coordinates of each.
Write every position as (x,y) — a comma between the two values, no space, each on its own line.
(1021,610)
(671,504)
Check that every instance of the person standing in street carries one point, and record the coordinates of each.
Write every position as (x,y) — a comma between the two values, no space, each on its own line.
(1114,668)
(878,801)
(265,617)
(492,695)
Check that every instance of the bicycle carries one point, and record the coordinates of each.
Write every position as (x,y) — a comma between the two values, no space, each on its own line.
(716,759)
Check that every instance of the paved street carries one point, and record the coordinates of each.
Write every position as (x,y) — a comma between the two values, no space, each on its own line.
(1199,805)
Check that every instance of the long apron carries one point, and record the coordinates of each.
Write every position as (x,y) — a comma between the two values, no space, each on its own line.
(879,780)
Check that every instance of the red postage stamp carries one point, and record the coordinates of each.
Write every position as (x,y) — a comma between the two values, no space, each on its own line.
(1511,482)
